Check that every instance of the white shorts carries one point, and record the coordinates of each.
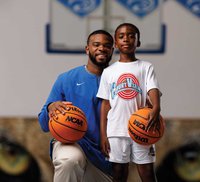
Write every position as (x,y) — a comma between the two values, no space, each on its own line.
(124,150)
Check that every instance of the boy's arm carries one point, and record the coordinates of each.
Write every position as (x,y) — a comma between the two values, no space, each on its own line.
(105,107)
(154,96)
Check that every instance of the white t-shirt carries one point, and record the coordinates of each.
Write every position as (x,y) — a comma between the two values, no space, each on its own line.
(125,85)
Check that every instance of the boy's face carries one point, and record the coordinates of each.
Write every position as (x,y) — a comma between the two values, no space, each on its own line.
(126,39)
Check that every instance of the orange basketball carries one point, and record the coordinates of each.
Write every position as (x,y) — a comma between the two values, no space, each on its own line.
(70,127)
(137,128)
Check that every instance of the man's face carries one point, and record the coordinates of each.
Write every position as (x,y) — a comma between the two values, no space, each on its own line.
(99,50)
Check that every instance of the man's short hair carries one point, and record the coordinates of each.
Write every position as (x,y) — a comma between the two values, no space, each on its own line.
(101,32)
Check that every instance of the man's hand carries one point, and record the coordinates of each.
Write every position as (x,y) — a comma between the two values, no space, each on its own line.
(60,106)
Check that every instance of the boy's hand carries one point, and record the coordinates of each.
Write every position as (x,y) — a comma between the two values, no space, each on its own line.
(154,120)
(105,146)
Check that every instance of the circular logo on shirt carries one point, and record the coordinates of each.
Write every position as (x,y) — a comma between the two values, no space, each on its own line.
(128,86)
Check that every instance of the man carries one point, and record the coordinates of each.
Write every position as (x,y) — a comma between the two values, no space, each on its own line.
(82,161)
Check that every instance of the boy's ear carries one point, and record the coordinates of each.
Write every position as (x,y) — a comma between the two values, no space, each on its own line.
(138,43)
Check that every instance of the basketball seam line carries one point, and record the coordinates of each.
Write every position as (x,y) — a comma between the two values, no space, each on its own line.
(76,108)
(82,117)
(67,140)
(144,133)
(139,116)
(70,126)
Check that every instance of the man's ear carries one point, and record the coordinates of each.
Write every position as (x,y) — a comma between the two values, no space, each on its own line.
(115,45)
(113,50)
(87,49)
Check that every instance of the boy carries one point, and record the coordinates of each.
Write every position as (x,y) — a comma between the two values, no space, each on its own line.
(125,86)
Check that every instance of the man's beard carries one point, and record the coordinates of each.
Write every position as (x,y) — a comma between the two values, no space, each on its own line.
(100,64)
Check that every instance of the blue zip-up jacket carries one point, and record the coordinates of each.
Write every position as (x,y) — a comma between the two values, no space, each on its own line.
(80,87)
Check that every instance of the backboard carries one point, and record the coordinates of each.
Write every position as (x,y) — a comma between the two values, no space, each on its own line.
(71,21)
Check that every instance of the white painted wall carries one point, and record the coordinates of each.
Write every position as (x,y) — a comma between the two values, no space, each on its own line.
(27,72)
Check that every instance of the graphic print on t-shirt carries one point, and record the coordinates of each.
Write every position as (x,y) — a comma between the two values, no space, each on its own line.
(127,87)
